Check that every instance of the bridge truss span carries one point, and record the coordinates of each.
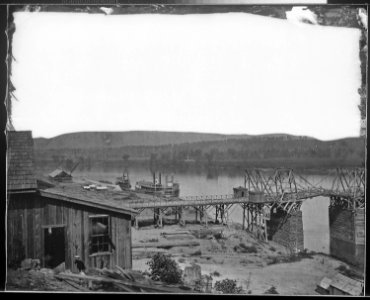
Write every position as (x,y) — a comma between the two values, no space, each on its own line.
(264,192)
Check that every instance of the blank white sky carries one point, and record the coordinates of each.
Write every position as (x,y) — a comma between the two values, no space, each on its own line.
(218,73)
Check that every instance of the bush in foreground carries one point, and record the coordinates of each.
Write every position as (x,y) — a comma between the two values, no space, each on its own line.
(271,290)
(163,268)
(228,286)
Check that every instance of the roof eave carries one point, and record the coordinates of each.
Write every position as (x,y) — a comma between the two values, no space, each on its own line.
(127,211)
(21,191)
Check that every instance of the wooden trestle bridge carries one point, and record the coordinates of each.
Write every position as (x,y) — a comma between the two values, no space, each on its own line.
(263,192)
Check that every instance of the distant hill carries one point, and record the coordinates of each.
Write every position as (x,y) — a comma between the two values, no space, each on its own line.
(97,140)
(198,149)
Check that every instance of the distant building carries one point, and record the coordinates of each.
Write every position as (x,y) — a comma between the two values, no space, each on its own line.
(58,223)
(60,175)
(240,192)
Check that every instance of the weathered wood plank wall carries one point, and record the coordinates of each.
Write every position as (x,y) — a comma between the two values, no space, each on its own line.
(29,214)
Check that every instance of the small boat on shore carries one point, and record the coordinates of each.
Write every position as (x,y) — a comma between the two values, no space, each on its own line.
(155,187)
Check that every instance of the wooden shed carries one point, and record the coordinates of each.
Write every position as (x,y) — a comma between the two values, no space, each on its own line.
(240,192)
(340,285)
(60,175)
(59,223)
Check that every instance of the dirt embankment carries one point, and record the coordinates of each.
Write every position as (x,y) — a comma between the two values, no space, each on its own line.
(228,252)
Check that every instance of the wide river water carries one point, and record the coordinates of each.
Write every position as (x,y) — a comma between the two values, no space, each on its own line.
(315,210)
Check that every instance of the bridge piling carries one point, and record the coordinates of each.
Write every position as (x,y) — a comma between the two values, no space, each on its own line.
(160,218)
(182,222)
(243,216)
(222,214)
(216,217)
(206,216)
(248,218)
(155,215)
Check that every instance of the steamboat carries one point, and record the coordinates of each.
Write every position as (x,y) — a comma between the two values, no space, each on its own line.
(124,182)
(155,187)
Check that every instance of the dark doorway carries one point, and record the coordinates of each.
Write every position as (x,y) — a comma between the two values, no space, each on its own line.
(54,246)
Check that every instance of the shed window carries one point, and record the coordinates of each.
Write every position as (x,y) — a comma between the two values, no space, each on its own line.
(99,234)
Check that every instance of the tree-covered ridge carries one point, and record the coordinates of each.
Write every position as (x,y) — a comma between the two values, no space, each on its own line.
(265,151)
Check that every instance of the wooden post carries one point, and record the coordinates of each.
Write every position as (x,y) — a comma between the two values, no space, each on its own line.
(248,221)
(222,213)
(160,218)
(265,221)
(226,214)
(136,223)
(243,216)
(155,215)
(201,214)
(205,215)
(196,214)
(252,218)
(181,220)
(216,214)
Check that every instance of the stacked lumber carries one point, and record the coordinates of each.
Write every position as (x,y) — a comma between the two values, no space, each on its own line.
(177,235)
(166,245)
(119,280)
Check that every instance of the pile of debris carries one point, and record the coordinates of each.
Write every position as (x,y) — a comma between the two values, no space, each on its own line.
(29,276)
(118,280)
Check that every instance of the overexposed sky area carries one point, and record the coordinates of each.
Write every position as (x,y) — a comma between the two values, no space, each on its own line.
(232,73)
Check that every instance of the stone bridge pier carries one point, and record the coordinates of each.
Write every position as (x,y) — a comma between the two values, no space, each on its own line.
(286,229)
(347,234)
(346,228)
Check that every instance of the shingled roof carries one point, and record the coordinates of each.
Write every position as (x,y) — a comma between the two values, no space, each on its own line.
(106,199)
(20,175)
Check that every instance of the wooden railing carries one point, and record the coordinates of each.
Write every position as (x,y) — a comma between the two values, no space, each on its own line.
(157,202)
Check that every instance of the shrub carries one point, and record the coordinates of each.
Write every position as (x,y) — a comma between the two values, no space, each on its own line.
(289,258)
(215,273)
(245,249)
(271,290)
(274,260)
(163,268)
(273,249)
(347,272)
(228,286)
(306,254)
(218,236)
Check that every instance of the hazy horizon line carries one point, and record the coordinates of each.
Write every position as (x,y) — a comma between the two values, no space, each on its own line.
(193,132)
